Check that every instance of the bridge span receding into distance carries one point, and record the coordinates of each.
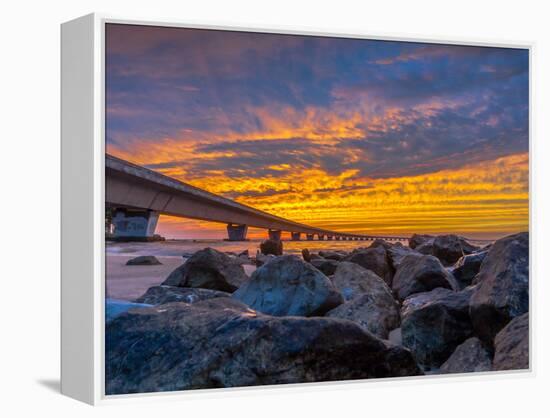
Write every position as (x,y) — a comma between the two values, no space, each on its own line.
(137,196)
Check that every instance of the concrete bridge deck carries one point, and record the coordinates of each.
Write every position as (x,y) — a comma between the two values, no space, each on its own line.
(138,196)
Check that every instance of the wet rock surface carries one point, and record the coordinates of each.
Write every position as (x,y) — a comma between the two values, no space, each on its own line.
(512,345)
(289,286)
(467,267)
(159,295)
(208,269)
(470,356)
(421,274)
(222,343)
(434,323)
(369,300)
(375,259)
(503,286)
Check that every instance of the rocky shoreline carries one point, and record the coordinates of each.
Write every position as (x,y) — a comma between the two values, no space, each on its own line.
(439,305)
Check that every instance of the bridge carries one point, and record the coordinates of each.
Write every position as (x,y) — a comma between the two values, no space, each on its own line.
(137,196)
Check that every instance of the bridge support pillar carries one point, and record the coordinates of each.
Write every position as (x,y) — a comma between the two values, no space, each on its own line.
(321,237)
(237,232)
(295,236)
(134,224)
(330,237)
(274,234)
(309,237)
(338,238)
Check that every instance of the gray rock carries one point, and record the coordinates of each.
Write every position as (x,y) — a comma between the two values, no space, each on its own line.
(378,242)
(503,291)
(418,239)
(375,259)
(208,269)
(421,274)
(469,357)
(222,343)
(449,248)
(159,295)
(143,260)
(270,246)
(369,300)
(289,286)
(327,266)
(467,267)
(398,252)
(115,307)
(434,323)
(263,259)
(307,256)
(512,345)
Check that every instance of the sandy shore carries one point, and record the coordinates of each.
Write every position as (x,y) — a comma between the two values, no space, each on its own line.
(130,282)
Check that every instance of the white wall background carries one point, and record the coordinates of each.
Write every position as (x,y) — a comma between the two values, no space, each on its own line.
(29,166)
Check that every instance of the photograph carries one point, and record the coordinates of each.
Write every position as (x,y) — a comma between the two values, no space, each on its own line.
(287,208)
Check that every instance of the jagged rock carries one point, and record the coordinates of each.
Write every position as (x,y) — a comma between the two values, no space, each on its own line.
(327,266)
(208,269)
(307,256)
(244,253)
(418,239)
(449,248)
(115,307)
(263,259)
(421,274)
(378,242)
(222,343)
(467,267)
(434,323)
(469,357)
(270,246)
(331,255)
(369,300)
(143,260)
(375,259)
(398,252)
(159,295)
(289,286)
(503,291)
(512,345)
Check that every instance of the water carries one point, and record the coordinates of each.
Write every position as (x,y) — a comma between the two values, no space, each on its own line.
(177,248)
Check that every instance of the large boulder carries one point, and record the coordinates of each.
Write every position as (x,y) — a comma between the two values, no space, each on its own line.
(512,345)
(503,291)
(143,260)
(421,274)
(398,252)
(369,300)
(271,246)
(223,343)
(434,323)
(289,286)
(419,239)
(262,259)
(208,269)
(375,259)
(467,267)
(308,256)
(159,295)
(379,242)
(327,266)
(449,248)
(470,356)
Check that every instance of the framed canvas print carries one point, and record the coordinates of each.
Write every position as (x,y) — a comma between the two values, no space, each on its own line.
(257,207)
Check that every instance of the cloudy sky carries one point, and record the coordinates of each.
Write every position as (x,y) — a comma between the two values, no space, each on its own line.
(346,134)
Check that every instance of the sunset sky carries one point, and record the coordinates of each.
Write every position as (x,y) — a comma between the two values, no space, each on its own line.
(352,135)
